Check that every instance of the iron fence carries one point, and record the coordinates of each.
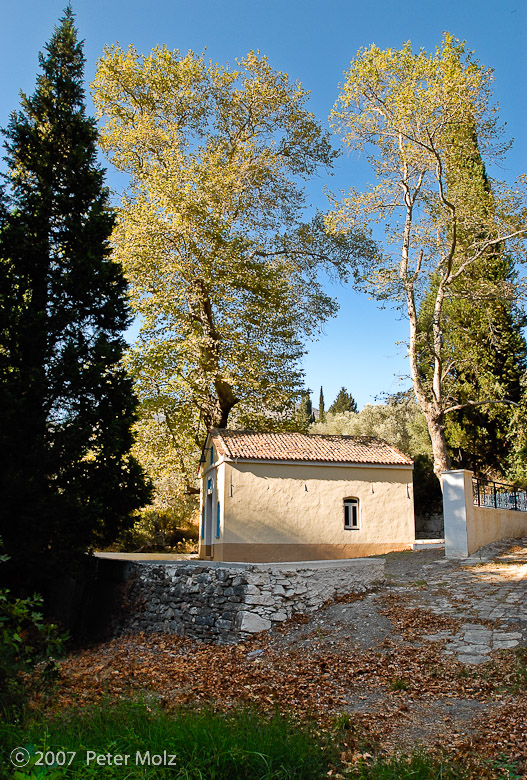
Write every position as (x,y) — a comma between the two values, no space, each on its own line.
(498,495)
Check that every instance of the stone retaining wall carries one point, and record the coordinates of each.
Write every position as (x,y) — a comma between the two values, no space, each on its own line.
(226,602)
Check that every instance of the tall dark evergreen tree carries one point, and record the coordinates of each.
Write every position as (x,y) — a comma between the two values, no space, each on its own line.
(67,480)
(344,402)
(484,349)
(304,414)
(321,407)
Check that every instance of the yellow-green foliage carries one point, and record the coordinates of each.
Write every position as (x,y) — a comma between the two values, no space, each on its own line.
(167,530)
(399,422)
(418,116)
(223,275)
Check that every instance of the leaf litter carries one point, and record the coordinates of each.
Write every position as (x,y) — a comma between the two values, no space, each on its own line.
(399,694)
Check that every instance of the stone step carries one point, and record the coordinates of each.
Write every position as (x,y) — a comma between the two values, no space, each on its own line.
(429,544)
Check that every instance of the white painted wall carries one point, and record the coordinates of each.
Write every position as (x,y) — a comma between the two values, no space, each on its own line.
(469,527)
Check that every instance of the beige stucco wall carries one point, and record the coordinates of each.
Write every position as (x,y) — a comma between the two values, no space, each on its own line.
(486,525)
(295,511)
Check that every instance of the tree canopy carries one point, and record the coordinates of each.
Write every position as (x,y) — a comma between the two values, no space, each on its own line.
(304,414)
(224,275)
(67,479)
(420,116)
(344,402)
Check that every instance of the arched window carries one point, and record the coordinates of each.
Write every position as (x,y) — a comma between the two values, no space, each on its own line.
(351,514)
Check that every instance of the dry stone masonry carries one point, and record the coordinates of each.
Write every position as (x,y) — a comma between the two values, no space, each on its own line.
(227,602)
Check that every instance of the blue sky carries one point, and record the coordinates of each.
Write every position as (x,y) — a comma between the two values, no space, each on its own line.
(313,42)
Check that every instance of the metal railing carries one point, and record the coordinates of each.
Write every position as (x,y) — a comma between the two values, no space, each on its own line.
(498,495)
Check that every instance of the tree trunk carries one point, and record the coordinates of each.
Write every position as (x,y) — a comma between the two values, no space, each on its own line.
(216,411)
(431,407)
(223,403)
(436,430)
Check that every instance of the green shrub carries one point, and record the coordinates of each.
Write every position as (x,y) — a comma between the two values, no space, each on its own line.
(161,530)
(26,640)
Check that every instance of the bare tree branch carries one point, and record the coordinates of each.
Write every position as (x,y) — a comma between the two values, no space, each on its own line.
(477,403)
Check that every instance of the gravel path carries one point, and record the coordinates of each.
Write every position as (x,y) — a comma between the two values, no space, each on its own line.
(485,592)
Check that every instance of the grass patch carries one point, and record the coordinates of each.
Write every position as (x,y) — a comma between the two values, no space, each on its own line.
(132,740)
(241,745)
(399,684)
(520,672)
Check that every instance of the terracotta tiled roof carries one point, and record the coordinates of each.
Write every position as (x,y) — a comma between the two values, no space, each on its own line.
(247,445)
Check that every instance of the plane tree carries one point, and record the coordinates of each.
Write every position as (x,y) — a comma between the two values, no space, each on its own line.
(419,116)
(224,274)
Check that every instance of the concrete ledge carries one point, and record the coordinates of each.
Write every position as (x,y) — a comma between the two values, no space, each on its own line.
(339,563)
(168,560)
(145,557)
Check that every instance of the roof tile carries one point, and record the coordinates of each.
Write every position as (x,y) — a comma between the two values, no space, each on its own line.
(248,445)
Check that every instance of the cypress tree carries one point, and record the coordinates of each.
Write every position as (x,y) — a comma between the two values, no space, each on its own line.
(344,402)
(321,408)
(304,414)
(484,348)
(67,480)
